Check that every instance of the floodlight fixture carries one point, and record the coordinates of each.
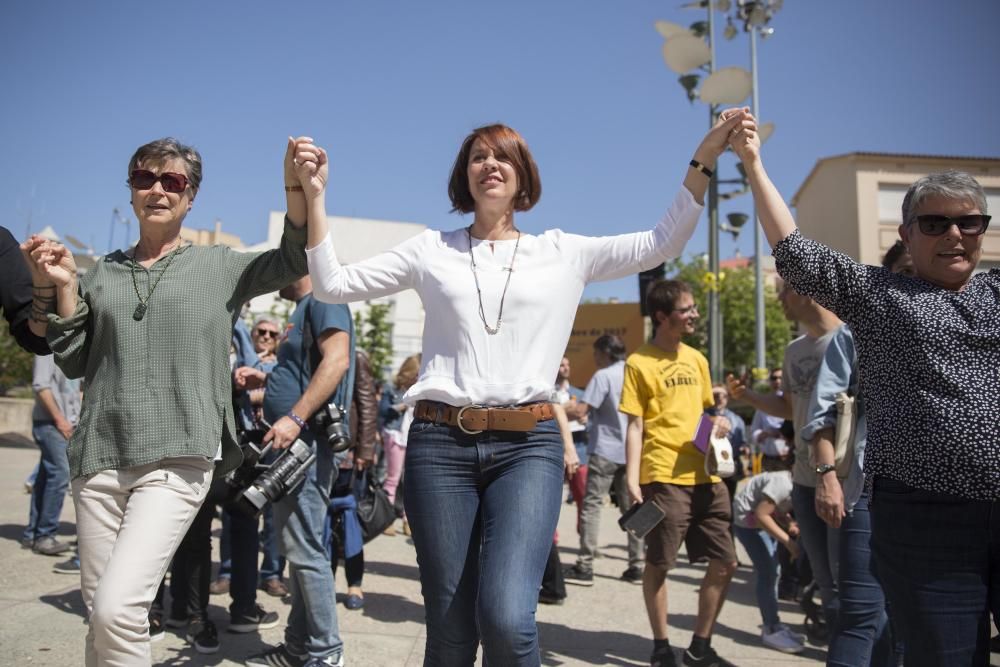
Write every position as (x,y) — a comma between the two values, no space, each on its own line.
(668,29)
(729,85)
(699,28)
(730,30)
(684,53)
(690,85)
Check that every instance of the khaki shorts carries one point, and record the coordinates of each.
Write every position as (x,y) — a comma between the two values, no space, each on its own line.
(698,515)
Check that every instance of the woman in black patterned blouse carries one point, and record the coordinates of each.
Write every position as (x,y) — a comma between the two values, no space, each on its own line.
(929,358)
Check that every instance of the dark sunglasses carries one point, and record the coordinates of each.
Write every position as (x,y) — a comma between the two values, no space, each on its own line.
(968,225)
(267,333)
(143,179)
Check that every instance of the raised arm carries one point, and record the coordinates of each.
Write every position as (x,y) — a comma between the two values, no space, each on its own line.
(611,257)
(772,211)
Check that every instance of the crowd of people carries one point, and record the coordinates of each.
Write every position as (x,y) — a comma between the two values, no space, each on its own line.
(873,458)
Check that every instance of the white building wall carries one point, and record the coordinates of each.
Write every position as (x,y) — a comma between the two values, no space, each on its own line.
(357,239)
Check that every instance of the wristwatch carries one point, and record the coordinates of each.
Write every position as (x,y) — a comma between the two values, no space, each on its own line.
(824,468)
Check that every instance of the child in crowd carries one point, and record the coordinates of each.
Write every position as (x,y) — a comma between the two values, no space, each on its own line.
(759,510)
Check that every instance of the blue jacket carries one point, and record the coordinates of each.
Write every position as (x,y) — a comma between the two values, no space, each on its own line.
(837,373)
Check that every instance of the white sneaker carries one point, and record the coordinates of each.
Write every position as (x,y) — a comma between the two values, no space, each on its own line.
(798,636)
(782,640)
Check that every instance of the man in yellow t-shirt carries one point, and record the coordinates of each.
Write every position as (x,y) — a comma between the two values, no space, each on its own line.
(667,388)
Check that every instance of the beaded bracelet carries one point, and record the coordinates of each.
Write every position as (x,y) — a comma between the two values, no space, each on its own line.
(295,418)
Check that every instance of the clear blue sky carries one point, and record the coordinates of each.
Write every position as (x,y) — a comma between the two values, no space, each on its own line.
(391,88)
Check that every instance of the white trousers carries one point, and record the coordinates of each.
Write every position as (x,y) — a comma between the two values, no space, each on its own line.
(129,523)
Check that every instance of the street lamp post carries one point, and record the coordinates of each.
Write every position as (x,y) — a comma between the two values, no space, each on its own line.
(685,50)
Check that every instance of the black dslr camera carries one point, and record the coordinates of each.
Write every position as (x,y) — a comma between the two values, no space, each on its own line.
(329,421)
(253,485)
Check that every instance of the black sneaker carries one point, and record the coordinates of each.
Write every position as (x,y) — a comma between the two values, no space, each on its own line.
(258,619)
(578,576)
(709,659)
(71,566)
(155,627)
(663,657)
(544,597)
(633,575)
(204,636)
(277,656)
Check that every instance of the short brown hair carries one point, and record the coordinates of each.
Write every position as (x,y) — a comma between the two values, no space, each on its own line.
(163,150)
(663,296)
(508,146)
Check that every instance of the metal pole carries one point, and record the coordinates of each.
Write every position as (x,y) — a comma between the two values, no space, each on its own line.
(714,312)
(760,334)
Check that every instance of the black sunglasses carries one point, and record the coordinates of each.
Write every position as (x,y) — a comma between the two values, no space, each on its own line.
(143,179)
(968,225)
(266,333)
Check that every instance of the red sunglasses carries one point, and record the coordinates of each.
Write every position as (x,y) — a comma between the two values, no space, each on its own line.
(143,179)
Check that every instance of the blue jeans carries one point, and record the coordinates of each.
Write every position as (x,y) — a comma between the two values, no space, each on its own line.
(483,510)
(49,491)
(938,557)
(863,635)
(820,542)
(763,552)
(312,621)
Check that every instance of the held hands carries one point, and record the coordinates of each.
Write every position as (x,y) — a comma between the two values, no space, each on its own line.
(717,138)
(50,262)
(742,136)
(306,165)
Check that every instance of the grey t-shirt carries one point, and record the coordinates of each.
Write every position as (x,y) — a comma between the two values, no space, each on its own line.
(775,486)
(66,392)
(802,359)
(607,424)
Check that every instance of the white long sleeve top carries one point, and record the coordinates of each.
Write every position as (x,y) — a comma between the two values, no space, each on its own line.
(462,364)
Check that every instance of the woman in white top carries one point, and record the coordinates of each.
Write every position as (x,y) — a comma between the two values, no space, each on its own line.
(484,466)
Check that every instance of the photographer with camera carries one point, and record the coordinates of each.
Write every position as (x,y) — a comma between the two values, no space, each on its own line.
(306,392)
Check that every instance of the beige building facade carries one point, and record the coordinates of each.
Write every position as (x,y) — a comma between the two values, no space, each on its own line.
(853,202)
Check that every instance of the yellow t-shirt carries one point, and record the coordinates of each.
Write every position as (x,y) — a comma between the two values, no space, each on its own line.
(670,391)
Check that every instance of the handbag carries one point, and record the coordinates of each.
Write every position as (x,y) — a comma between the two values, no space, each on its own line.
(845,433)
(375,510)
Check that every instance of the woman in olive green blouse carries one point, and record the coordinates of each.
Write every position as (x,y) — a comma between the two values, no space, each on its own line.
(149,330)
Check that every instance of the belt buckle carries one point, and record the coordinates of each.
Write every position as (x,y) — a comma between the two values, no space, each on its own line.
(458,419)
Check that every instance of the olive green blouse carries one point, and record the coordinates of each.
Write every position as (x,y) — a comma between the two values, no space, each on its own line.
(161,387)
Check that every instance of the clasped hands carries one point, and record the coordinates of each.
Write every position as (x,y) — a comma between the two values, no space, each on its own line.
(306,166)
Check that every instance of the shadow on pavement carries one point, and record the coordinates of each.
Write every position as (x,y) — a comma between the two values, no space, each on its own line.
(389,608)
(14,531)
(70,602)
(590,647)
(399,570)
(17,440)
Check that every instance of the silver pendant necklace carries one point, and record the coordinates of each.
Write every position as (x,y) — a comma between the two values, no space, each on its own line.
(479,292)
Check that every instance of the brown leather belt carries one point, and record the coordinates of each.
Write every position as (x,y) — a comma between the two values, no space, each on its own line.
(473,419)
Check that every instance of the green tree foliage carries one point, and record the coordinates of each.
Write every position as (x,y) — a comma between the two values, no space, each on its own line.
(15,363)
(373,334)
(736,288)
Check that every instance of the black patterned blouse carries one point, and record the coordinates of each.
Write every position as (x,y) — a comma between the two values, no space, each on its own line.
(929,361)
